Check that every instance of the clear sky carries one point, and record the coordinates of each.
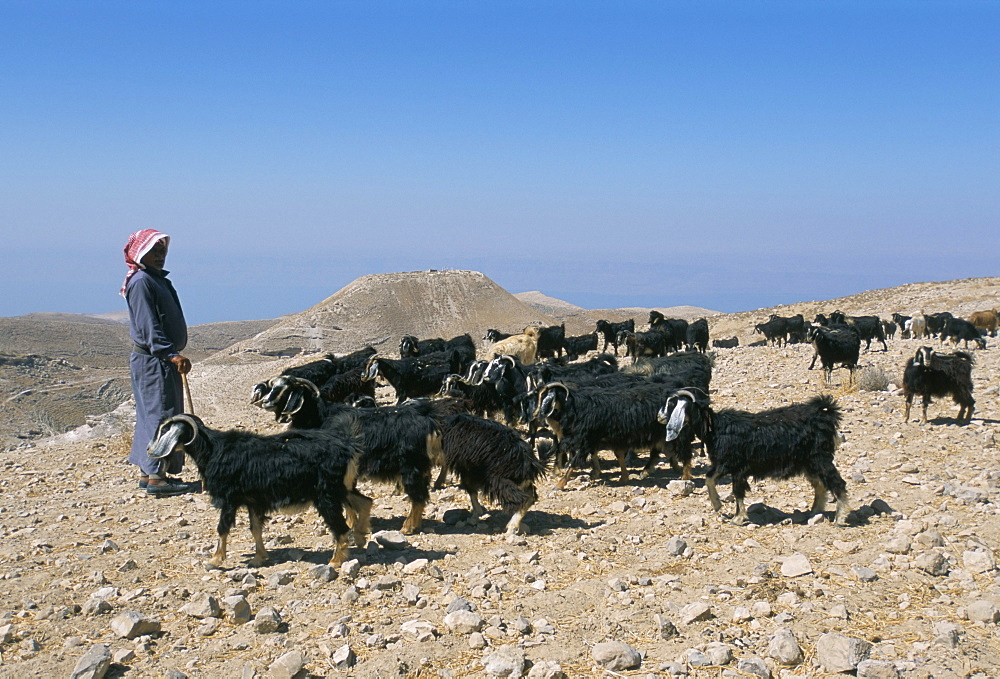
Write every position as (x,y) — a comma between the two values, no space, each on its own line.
(730,155)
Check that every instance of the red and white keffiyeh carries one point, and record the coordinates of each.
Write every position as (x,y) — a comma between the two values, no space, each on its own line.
(138,246)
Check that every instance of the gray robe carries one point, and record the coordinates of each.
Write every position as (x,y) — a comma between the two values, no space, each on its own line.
(158,331)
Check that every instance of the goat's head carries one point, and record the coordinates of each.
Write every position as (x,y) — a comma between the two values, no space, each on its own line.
(408,346)
(287,396)
(552,399)
(175,433)
(655,317)
(371,369)
(497,368)
(476,371)
(361,401)
(684,409)
(923,357)
(259,392)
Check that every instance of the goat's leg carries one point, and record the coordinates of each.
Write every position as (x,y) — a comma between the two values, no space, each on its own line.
(477,509)
(530,495)
(740,488)
(819,495)
(227,517)
(332,510)
(621,455)
(927,401)
(906,412)
(713,493)
(257,531)
(415,518)
(361,507)
(442,479)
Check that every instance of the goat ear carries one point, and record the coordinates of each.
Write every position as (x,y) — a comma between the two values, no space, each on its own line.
(166,441)
(678,418)
(296,399)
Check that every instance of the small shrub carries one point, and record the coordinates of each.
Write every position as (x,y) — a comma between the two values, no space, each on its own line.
(873,379)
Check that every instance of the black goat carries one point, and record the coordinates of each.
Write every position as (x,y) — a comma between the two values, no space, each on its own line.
(697,335)
(674,330)
(318,371)
(730,343)
(586,420)
(578,346)
(959,329)
(936,322)
(774,330)
(414,376)
(344,385)
(495,335)
(930,373)
(835,344)
(550,341)
(609,331)
(869,327)
(889,328)
(651,343)
(284,472)
(794,440)
(494,460)
(410,346)
(541,373)
(398,444)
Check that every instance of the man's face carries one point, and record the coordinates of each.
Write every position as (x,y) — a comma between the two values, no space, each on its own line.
(157,257)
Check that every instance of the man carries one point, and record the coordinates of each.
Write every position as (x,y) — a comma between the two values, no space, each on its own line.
(159,334)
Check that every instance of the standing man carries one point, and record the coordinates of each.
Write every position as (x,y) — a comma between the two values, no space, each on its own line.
(159,334)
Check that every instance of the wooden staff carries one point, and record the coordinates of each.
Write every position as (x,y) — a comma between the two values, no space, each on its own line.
(187,392)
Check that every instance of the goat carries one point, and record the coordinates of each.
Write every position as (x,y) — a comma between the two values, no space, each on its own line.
(774,330)
(959,329)
(550,341)
(586,420)
(343,386)
(580,345)
(481,397)
(730,343)
(414,376)
(674,330)
(652,343)
(931,373)
(609,331)
(541,373)
(936,322)
(918,325)
(318,371)
(494,460)
(793,440)
(493,335)
(697,335)
(280,472)
(869,327)
(835,344)
(399,444)
(410,346)
(985,321)
(524,346)
(889,327)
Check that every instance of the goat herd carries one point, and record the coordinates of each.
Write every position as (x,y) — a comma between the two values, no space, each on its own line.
(499,424)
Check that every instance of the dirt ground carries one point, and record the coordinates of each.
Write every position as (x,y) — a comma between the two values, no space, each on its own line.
(80,545)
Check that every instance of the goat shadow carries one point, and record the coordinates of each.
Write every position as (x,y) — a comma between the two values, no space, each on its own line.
(942,419)
(535,522)
(321,557)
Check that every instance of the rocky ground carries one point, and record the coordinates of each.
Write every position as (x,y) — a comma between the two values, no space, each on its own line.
(611,579)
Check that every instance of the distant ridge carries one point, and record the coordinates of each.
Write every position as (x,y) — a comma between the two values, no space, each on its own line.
(379,309)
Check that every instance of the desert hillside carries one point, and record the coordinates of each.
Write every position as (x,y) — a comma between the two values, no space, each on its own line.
(633,577)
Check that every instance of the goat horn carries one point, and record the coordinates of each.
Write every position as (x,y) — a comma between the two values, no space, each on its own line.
(168,436)
(303,382)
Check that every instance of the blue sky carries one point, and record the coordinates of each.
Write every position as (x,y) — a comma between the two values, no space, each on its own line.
(730,155)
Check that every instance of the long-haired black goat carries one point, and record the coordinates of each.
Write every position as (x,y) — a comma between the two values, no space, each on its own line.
(931,373)
(416,375)
(281,472)
(794,440)
(319,371)
(492,459)
(398,444)
(835,344)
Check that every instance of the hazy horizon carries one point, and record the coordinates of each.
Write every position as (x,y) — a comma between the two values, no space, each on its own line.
(726,155)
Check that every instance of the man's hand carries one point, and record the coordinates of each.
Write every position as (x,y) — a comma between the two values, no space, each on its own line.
(182,364)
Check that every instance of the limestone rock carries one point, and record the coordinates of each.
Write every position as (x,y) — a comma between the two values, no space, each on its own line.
(93,664)
(839,653)
(616,656)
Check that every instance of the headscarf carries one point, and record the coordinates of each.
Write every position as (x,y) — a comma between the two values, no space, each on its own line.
(138,246)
